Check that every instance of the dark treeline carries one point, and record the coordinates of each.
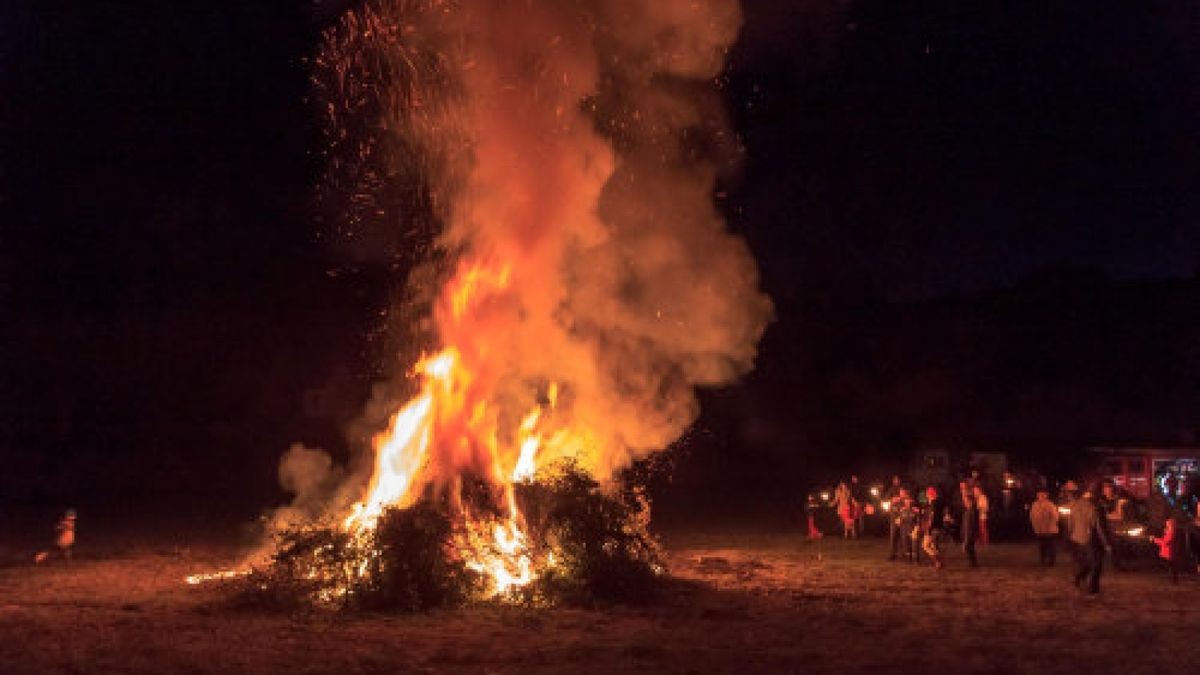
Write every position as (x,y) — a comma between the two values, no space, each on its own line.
(203,400)
(1042,370)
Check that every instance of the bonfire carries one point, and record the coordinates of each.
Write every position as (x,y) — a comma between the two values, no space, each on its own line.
(557,163)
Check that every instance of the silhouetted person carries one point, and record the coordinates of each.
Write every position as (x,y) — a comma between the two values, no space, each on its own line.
(893,489)
(860,499)
(1087,535)
(896,518)
(1112,506)
(970,523)
(1193,537)
(910,529)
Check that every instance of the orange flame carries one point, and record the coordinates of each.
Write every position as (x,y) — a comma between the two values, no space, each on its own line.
(450,426)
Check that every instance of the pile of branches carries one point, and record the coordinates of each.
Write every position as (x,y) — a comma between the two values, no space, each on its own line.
(598,541)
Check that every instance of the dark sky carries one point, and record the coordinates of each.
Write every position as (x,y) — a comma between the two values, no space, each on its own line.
(159,175)
(912,148)
(934,146)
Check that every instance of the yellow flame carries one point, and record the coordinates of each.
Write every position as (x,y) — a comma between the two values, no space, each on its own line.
(447,416)
(399,454)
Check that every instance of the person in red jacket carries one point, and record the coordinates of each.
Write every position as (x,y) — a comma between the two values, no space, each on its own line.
(1170,547)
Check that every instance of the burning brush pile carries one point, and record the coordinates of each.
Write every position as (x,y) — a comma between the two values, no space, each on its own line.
(548,171)
(572,543)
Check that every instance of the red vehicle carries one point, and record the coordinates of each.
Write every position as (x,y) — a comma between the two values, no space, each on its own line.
(1173,473)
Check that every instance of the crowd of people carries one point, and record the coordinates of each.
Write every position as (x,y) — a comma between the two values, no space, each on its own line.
(1095,524)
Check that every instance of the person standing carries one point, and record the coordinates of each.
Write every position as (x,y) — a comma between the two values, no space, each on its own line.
(983,506)
(1193,537)
(1112,508)
(896,516)
(933,526)
(1043,516)
(1087,535)
(954,511)
(65,531)
(893,488)
(811,507)
(1170,547)
(970,523)
(843,502)
(858,492)
(910,529)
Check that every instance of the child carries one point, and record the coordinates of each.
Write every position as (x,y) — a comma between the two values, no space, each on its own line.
(1170,548)
(810,509)
(64,537)
(66,533)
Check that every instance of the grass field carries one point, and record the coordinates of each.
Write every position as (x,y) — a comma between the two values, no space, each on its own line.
(745,603)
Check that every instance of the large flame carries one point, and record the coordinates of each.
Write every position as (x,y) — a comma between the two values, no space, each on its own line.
(450,428)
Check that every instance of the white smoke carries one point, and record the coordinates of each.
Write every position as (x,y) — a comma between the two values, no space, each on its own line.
(580,143)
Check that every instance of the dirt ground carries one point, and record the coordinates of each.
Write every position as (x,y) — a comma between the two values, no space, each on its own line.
(746,603)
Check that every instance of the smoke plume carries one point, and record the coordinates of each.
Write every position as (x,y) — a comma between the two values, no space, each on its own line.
(567,151)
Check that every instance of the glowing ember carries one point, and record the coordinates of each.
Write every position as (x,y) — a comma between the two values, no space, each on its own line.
(196,579)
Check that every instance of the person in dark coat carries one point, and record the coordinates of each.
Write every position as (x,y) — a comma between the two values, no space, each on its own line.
(897,536)
(969,523)
(1089,540)
(1193,537)
(859,492)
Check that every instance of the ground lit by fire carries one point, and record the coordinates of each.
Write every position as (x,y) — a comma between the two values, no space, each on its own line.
(745,602)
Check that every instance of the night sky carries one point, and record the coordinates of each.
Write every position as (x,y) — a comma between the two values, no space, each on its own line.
(910,166)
